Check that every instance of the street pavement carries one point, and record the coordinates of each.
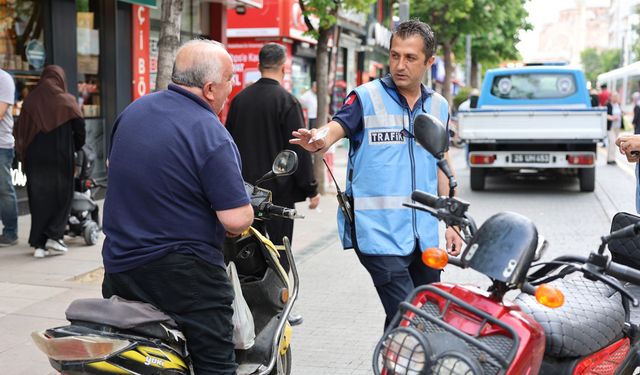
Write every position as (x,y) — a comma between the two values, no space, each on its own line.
(343,318)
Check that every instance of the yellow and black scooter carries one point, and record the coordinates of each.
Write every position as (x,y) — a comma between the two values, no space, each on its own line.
(115,336)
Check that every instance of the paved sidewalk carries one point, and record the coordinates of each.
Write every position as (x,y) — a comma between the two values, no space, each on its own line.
(34,293)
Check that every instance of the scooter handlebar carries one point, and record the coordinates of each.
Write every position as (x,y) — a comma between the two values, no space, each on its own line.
(427,199)
(625,273)
(273,209)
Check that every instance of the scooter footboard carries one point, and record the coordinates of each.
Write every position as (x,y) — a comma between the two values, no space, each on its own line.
(486,346)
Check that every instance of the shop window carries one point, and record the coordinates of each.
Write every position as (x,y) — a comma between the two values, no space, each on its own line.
(88,39)
(22,51)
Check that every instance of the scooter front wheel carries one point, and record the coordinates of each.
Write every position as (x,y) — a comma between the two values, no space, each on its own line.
(283,364)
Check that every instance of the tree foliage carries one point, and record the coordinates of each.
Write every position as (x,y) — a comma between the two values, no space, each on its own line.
(499,42)
(595,62)
(493,25)
(326,12)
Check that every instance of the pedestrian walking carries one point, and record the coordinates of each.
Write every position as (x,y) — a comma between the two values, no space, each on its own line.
(309,101)
(48,132)
(8,201)
(175,188)
(603,95)
(260,120)
(614,125)
(386,165)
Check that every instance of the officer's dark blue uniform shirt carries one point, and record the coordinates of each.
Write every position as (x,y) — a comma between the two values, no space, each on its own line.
(349,116)
(172,165)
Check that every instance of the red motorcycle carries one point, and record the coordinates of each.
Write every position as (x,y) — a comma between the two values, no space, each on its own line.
(573,315)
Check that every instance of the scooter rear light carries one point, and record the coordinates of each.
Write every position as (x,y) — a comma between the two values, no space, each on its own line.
(606,361)
(482,159)
(77,348)
(580,159)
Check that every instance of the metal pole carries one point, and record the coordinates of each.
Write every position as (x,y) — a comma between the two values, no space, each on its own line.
(403,10)
(467,63)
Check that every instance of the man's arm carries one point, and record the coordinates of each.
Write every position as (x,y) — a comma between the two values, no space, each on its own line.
(3,108)
(236,220)
(629,146)
(334,130)
(350,120)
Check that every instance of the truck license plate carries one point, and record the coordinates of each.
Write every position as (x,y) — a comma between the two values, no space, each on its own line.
(530,158)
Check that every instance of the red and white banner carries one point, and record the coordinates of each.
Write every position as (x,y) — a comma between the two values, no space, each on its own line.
(140,51)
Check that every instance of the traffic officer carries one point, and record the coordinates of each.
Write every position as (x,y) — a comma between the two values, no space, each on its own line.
(386,165)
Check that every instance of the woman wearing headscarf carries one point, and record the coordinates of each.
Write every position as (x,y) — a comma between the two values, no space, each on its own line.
(48,132)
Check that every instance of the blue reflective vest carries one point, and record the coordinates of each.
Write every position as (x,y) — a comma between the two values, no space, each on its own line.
(384,170)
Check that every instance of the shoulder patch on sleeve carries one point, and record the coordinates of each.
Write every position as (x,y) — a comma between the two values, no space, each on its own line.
(350,99)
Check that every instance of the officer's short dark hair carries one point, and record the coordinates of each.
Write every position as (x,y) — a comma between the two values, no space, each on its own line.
(272,56)
(416,27)
(603,86)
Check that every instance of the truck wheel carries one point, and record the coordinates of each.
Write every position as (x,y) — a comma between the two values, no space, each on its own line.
(477,178)
(587,179)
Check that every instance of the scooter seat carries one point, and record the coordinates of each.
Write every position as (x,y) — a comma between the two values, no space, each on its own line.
(591,318)
(134,316)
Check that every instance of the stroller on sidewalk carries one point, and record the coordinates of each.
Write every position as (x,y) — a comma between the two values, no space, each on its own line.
(84,218)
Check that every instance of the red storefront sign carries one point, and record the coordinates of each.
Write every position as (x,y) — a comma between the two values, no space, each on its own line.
(244,53)
(140,51)
(276,18)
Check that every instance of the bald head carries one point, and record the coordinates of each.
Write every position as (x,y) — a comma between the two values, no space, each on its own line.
(198,62)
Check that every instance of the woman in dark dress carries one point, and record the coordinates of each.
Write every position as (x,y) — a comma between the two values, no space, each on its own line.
(48,132)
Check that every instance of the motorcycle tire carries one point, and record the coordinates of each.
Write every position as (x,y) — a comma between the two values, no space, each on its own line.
(284,365)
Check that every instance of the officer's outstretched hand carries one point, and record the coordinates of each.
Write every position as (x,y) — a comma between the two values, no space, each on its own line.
(454,242)
(307,139)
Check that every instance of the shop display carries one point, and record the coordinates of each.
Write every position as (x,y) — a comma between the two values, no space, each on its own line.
(20,26)
(88,41)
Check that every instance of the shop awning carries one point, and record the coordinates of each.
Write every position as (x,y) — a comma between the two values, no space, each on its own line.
(148,3)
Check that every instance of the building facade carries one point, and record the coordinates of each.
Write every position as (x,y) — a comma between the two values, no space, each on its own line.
(107,48)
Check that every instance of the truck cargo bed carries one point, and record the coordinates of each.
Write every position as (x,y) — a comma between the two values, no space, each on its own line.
(557,124)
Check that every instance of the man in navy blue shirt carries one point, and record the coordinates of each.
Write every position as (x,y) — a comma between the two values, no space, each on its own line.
(175,190)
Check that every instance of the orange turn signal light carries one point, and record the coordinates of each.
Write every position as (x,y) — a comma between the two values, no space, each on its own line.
(284,295)
(435,258)
(549,296)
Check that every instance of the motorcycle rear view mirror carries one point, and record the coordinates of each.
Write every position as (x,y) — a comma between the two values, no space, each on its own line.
(285,164)
(431,134)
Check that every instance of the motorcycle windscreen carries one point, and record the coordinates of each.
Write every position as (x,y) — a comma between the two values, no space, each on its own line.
(503,247)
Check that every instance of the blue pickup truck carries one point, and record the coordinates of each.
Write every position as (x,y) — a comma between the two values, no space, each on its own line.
(534,119)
